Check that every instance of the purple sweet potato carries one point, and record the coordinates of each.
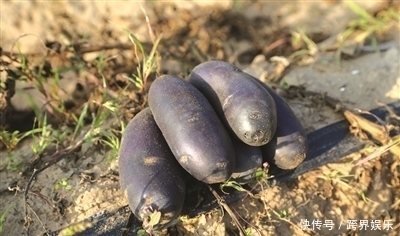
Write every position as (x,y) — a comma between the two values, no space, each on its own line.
(245,107)
(192,129)
(248,160)
(150,176)
(289,146)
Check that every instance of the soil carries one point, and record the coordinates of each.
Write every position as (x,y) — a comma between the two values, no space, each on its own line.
(255,36)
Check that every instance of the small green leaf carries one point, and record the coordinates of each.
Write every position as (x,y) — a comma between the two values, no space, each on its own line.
(141,232)
(155,218)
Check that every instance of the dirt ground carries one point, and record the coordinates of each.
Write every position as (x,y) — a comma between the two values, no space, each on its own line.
(257,37)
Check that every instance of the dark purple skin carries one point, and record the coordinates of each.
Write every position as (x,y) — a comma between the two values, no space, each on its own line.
(248,159)
(149,174)
(192,129)
(289,146)
(245,107)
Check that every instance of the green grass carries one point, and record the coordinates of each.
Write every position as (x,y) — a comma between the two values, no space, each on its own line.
(300,38)
(364,29)
(11,141)
(3,216)
(149,63)
(98,130)
(338,177)
(367,25)
(98,122)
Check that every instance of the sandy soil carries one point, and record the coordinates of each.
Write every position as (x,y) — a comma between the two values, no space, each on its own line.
(195,31)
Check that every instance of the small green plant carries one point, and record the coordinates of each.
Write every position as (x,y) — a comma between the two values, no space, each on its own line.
(63,184)
(148,64)
(300,38)
(81,121)
(11,140)
(338,177)
(3,217)
(365,27)
(262,176)
(98,121)
(151,219)
(249,232)
(113,142)
(233,184)
(366,24)
(44,139)
(23,60)
(283,214)
(101,63)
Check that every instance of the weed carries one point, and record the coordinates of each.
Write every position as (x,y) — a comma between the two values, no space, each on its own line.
(249,232)
(366,26)
(151,219)
(75,229)
(261,176)
(100,63)
(11,140)
(300,38)
(149,64)
(233,184)
(97,131)
(3,217)
(80,121)
(63,184)
(337,176)
(113,142)
(45,138)
(283,214)
(358,31)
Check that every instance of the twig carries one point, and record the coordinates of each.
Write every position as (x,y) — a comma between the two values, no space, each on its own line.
(44,198)
(253,226)
(378,132)
(390,111)
(149,28)
(11,54)
(275,44)
(380,121)
(56,157)
(392,147)
(26,196)
(222,203)
(44,227)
